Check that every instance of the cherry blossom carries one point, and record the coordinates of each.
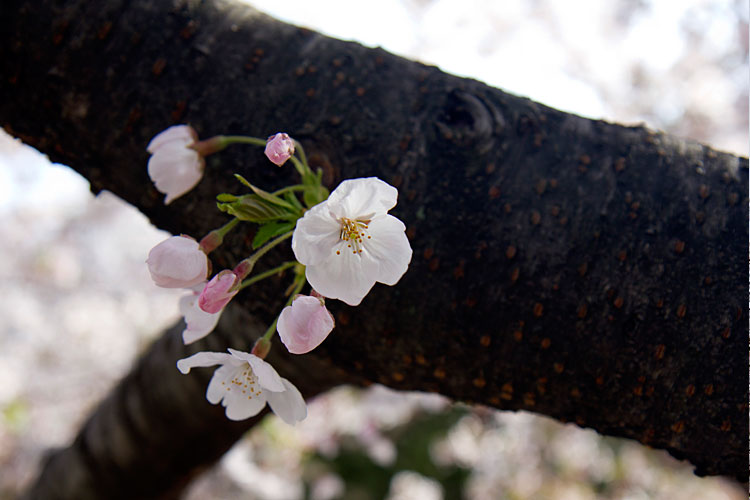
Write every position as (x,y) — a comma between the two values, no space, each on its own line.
(177,262)
(244,383)
(349,241)
(198,323)
(303,325)
(219,291)
(279,148)
(175,167)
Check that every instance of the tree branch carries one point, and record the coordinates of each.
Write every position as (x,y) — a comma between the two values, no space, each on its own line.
(584,270)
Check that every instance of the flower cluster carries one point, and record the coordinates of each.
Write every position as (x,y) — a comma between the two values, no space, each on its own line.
(343,244)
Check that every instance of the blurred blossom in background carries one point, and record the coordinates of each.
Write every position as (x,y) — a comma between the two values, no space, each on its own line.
(79,304)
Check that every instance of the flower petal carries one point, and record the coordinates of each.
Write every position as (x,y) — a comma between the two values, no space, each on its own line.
(389,248)
(220,383)
(201,359)
(341,277)
(177,262)
(289,404)
(184,134)
(362,198)
(315,235)
(304,325)
(198,322)
(268,378)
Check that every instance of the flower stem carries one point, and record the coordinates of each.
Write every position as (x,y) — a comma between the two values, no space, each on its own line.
(302,168)
(246,266)
(300,282)
(301,151)
(212,240)
(242,139)
(267,274)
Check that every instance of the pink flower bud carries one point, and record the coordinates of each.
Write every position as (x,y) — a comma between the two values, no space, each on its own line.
(219,291)
(304,325)
(175,167)
(177,262)
(279,148)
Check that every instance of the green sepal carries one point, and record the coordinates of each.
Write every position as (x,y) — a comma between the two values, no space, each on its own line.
(271,230)
(253,208)
(264,194)
(226,197)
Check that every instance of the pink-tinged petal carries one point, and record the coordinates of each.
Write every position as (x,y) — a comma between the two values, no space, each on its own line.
(268,378)
(202,359)
(362,199)
(174,167)
(198,322)
(341,277)
(175,170)
(279,148)
(304,325)
(315,235)
(389,248)
(184,134)
(218,292)
(237,390)
(289,404)
(177,262)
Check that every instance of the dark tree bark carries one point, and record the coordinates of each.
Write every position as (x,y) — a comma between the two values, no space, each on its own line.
(579,269)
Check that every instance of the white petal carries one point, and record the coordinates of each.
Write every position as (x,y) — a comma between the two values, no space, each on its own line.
(184,134)
(198,322)
(201,359)
(315,235)
(341,276)
(241,402)
(220,384)
(289,405)
(365,197)
(267,376)
(389,248)
(175,170)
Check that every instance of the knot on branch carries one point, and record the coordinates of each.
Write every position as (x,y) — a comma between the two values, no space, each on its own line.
(469,122)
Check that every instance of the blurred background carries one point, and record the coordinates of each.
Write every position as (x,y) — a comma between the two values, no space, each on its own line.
(79,304)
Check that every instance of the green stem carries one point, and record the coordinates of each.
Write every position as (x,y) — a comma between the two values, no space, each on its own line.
(242,139)
(302,168)
(301,151)
(267,274)
(246,266)
(216,237)
(298,287)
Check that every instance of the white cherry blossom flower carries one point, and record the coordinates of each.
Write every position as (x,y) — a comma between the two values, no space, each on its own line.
(349,241)
(175,167)
(198,323)
(244,383)
(177,262)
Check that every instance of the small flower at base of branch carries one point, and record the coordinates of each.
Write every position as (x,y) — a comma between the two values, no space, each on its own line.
(198,323)
(279,148)
(349,242)
(244,383)
(175,167)
(219,291)
(177,262)
(305,324)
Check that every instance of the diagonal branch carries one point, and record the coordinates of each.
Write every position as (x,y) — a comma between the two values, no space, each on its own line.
(584,270)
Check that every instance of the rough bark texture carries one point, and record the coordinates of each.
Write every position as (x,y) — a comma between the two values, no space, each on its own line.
(584,270)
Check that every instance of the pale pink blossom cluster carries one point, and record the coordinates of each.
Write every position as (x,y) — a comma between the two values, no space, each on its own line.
(347,243)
